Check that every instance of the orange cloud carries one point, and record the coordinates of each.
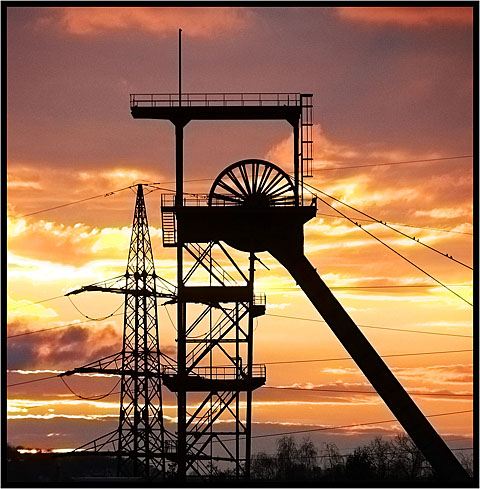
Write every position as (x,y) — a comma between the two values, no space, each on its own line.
(409,16)
(196,22)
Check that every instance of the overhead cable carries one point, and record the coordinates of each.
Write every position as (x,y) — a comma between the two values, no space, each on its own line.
(428,160)
(93,398)
(375,327)
(346,391)
(108,194)
(397,253)
(384,223)
(33,303)
(54,327)
(95,319)
(401,225)
(315,360)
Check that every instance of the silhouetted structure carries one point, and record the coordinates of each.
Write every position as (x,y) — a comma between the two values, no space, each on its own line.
(140,442)
(196,228)
(254,206)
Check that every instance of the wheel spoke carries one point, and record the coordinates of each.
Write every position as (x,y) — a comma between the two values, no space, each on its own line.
(225,197)
(278,190)
(284,200)
(264,179)
(255,183)
(244,174)
(227,187)
(255,168)
(237,182)
(273,182)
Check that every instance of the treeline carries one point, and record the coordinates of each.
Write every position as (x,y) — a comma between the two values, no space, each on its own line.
(396,460)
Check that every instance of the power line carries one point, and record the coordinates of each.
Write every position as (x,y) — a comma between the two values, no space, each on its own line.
(30,381)
(315,360)
(402,225)
(283,361)
(108,194)
(384,223)
(298,361)
(396,252)
(393,163)
(375,327)
(353,425)
(395,286)
(33,303)
(95,319)
(345,391)
(94,398)
(55,327)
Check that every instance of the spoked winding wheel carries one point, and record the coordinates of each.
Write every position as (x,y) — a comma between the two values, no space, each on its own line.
(253,183)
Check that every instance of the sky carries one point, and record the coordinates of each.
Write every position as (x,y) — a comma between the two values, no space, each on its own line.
(389,85)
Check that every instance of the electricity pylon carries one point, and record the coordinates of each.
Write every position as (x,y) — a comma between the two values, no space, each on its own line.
(140,441)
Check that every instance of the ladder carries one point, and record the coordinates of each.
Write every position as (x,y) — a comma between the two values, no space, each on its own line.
(169,229)
(306,135)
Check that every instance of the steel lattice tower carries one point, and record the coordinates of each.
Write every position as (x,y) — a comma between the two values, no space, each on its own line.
(139,441)
(140,427)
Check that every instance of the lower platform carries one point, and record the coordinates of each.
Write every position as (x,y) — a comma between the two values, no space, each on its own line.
(215,379)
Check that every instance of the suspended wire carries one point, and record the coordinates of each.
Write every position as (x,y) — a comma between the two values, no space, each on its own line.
(345,391)
(384,223)
(397,253)
(356,424)
(33,303)
(301,361)
(393,163)
(169,317)
(55,327)
(31,381)
(314,360)
(95,319)
(329,428)
(375,327)
(353,287)
(108,194)
(403,225)
(94,398)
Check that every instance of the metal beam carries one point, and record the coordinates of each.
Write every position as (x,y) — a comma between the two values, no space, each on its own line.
(384,382)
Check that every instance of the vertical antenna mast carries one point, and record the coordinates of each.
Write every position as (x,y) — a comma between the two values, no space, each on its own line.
(179,67)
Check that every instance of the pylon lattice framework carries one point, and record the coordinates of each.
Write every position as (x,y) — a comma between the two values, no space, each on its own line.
(139,441)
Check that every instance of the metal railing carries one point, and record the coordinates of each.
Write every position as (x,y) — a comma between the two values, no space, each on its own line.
(221,373)
(259,299)
(215,99)
(202,200)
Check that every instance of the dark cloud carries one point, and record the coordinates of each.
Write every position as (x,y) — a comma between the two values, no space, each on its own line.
(61,349)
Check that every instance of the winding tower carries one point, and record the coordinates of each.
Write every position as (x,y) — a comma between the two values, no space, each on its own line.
(253,206)
(214,365)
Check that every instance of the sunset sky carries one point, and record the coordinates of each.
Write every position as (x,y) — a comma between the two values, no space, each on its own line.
(390,85)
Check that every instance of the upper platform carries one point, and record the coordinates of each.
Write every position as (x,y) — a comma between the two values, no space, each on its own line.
(218,106)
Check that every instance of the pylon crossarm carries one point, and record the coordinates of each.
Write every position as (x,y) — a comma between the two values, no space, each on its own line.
(117,285)
(111,282)
(125,291)
(109,371)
